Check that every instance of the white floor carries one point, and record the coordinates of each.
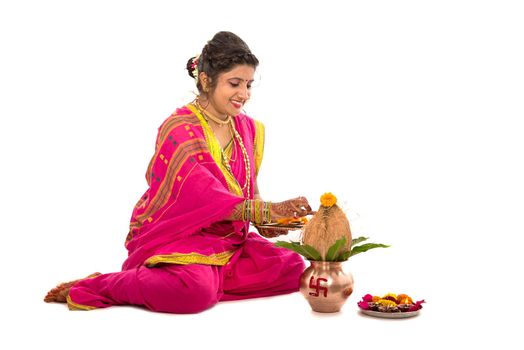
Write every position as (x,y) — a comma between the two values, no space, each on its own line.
(264,323)
(258,323)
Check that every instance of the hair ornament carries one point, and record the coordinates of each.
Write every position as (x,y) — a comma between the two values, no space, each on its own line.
(194,67)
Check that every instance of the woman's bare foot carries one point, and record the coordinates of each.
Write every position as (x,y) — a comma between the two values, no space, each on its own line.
(60,292)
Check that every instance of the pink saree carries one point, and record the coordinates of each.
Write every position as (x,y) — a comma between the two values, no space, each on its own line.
(183,255)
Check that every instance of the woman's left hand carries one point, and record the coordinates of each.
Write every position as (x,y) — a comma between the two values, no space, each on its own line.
(271,232)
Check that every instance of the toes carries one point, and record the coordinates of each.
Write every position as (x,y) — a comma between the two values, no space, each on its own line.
(51,295)
(60,292)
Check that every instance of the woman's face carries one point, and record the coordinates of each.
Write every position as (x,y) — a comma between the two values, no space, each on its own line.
(231,92)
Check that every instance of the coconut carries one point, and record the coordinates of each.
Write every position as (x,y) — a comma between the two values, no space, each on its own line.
(327,226)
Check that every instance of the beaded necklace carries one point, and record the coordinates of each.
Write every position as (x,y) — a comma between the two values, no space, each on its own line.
(247,164)
(236,136)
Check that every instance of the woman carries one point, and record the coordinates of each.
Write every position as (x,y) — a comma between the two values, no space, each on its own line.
(189,245)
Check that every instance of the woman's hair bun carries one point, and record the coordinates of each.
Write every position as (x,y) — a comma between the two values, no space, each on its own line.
(220,54)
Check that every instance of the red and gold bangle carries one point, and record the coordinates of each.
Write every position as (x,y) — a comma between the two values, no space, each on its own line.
(256,211)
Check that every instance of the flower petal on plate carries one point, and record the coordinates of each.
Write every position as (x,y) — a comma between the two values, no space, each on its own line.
(363,305)
(417,305)
(367,297)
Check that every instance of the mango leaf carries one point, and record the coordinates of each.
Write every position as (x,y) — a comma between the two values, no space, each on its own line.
(303,249)
(365,247)
(307,251)
(288,245)
(358,240)
(343,255)
(315,255)
(332,252)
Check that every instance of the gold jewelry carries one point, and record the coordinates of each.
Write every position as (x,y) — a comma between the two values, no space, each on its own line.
(225,161)
(256,211)
(218,121)
(208,116)
(247,163)
(228,149)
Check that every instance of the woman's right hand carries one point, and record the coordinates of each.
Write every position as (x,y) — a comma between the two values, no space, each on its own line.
(296,207)
(271,232)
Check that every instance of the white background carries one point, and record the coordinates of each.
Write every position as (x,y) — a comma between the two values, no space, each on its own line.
(408,111)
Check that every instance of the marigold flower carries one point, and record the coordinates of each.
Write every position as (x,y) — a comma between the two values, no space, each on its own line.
(404,299)
(328,199)
(286,221)
(391,297)
(370,302)
(386,302)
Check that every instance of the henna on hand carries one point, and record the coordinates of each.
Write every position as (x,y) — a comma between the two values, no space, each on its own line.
(297,207)
(236,215)
(271,233)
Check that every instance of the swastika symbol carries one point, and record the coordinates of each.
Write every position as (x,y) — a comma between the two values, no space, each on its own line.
(317,286)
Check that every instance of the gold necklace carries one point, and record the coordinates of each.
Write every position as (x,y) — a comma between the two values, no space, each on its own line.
(247,164)
(208,115)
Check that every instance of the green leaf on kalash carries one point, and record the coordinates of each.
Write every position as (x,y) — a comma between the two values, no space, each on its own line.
(358,240)
(312,252)
(288,245)
(343,255)
(307,251)
(303,249)
(333,251)
(365,247)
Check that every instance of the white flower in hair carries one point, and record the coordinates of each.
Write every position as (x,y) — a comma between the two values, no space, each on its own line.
(195,68)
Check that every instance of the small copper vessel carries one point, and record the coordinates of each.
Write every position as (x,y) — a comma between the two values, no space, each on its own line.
(326,286)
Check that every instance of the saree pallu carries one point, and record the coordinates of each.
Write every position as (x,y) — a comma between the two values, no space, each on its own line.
(180,219)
